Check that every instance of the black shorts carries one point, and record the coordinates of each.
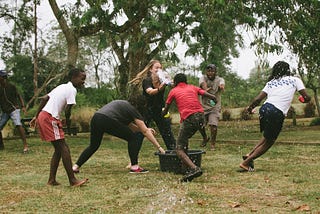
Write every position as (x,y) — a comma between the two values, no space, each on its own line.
(271,121)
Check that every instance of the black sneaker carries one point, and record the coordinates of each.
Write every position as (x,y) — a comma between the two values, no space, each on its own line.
(1,147)
(191,174)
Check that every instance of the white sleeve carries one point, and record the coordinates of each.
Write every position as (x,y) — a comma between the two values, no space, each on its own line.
(300,84)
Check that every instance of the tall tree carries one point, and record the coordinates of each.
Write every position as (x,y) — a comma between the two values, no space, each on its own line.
(141,30)
(299,23)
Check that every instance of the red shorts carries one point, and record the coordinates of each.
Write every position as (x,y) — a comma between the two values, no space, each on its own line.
(50,128)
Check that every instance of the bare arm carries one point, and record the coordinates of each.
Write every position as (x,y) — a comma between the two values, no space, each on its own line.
(256,101)
(148,133)
(305,96)
(43,102)
(68,115)
(165,109)
(211,96)
(154,91)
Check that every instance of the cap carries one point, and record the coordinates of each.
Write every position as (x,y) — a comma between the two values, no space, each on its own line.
(211,66)
(3,73)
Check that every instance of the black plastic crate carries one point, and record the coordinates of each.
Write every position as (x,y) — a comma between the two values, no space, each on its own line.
(170,162)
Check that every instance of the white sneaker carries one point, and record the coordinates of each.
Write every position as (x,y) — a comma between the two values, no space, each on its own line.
(75,168)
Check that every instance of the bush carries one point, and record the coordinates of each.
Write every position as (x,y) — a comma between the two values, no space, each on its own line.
(315,122)
(245,115)
(82,116)
(226,115)
(310,110)
(291,113)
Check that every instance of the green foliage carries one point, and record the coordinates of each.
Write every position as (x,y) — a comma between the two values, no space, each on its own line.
(309,109)
(237,91)
(297,24)
(97,97)
(315,122)
(291,112)
(226,115)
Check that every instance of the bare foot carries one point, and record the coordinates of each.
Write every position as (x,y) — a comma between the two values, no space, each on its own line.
(128,166)
(79,182)
(25,150)
(53,183)
(204,142)
(213,146)
(246,168)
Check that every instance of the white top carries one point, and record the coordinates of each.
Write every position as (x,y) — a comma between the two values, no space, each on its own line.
(280,91)
(62,95)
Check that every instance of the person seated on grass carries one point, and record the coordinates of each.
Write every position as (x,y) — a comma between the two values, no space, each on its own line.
(121,119)
(279,91)
(48,121)
(192,119)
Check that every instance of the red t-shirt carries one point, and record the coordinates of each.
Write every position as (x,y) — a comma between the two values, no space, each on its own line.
(187,100)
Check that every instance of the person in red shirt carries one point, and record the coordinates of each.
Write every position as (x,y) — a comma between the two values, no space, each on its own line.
(191,119)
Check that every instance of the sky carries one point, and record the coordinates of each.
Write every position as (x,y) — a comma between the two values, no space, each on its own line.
(241,65)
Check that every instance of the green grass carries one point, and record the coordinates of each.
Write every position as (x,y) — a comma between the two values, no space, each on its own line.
(286,177)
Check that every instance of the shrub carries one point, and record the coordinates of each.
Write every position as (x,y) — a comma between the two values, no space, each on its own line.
(310,110)
(82,116)
(226,115)
(291,113)
(245,115)
(315,122)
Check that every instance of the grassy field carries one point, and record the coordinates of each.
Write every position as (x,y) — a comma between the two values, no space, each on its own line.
(286,177)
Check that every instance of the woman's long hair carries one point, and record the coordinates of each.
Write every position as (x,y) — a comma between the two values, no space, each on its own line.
(144,73)
(279,70)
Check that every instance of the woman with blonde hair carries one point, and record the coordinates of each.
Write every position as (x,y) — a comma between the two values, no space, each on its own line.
(153,92)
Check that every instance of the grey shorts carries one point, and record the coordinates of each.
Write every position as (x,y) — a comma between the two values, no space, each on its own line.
(212,118)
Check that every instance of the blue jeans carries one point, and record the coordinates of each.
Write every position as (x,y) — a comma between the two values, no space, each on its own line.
(15,117)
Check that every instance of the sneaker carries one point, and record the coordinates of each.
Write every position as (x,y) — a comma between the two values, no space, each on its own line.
(75,168)
(1,147)
(191,174)
(138,170)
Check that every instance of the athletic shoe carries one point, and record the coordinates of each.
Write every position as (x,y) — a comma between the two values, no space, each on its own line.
(1,147)
(138,170)
(191,174)
(75,168)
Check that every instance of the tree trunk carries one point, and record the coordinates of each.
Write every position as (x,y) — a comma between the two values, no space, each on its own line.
(72,37)
(316,100)
(35,53)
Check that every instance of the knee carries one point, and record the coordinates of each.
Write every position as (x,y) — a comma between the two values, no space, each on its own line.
(94,146)
(213,127)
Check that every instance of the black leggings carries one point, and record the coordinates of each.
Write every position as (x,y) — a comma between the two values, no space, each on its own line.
(101,124)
